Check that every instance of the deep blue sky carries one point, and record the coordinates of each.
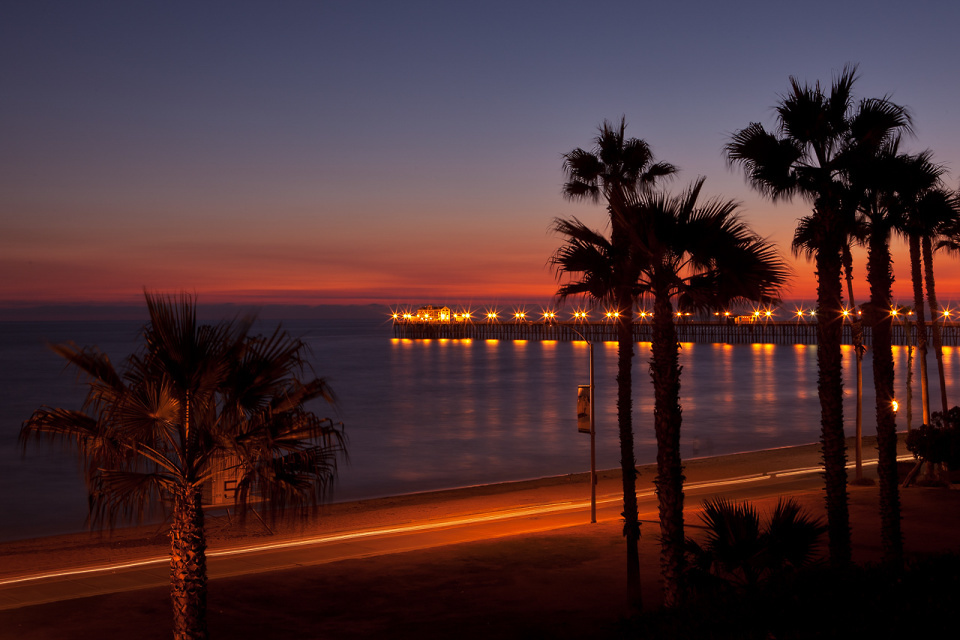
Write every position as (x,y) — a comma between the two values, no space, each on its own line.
(324,152)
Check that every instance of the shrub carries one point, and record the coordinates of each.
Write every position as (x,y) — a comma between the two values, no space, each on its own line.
(939,441)
(739,553)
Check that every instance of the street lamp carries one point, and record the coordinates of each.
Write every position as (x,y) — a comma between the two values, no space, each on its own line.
(592,430)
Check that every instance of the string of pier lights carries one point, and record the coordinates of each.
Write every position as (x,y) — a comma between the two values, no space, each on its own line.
(582,315)
(521,315)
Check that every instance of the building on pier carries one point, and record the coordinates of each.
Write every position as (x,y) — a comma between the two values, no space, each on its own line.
(432,314)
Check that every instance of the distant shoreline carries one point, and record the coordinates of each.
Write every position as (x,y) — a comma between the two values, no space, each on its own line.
(81,312)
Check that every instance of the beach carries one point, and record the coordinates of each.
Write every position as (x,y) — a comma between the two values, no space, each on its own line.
(556,579)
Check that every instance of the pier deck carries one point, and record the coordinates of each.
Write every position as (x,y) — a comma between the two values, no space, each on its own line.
(770,332)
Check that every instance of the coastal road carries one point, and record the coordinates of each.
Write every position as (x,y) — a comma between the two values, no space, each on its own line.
(442,522)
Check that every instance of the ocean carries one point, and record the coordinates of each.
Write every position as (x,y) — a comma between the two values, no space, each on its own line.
(434,414)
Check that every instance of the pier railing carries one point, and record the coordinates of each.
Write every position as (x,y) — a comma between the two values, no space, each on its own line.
(769,332)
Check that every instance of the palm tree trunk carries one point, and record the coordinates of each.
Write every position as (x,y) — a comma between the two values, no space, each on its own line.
(918,308)
(830,390)
(188,566)
(881,280)
(665,371)
(628,463)
(935,315)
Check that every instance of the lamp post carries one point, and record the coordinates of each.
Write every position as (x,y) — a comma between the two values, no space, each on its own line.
(593,434)
(593,445)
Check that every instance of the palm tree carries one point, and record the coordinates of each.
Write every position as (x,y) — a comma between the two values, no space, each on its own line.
(807,155)
(615,170)
(877,177)
(699,254)
(942,209)
(194,402)
(918,182)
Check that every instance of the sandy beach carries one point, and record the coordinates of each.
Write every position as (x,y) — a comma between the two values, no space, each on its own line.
(564,581)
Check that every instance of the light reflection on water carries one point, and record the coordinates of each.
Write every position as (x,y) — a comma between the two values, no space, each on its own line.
(431,414)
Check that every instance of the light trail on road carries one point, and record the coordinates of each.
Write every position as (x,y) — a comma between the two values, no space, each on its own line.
(506,514)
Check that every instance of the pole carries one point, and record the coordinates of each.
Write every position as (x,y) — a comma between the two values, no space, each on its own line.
(593,447)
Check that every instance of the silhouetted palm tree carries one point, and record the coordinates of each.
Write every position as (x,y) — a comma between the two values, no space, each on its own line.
(878,177)
(941,210)
(614,171)
(807,155)
(918,180)
(195,401)
(699,254)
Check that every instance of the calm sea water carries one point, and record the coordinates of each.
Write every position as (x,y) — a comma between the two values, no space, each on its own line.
(433,414)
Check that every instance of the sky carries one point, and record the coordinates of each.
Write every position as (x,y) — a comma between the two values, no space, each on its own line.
(399,152)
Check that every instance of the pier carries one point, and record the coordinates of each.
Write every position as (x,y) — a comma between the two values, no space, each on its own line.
(764,332)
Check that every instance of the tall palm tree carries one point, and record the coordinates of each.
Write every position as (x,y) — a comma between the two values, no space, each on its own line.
(878,178)
(942,209)
(918,180)
(807,155)
(700,255)
(615,170)
(194,402)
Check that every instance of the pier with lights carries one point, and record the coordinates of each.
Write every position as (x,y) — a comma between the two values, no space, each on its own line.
(761,326)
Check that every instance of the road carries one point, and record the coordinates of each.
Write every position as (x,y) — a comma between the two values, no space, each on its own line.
(418,524)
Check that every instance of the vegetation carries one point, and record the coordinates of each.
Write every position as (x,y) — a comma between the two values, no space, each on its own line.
(919,181)
(818,135)
(738,553)
(617,169)
(700,255)
(938,442)
(875,174)
(196,400)
(942,210)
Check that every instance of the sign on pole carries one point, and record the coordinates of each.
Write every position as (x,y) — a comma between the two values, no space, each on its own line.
(583,408)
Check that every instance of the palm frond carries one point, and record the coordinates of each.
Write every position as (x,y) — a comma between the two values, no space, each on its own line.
(877,121)
(587,258)
(125,496)
(791,536)
(701,252)
(91,361)
(767,161)
(614,169)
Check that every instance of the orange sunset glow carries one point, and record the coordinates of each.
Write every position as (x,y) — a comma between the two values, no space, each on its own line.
(233,177)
